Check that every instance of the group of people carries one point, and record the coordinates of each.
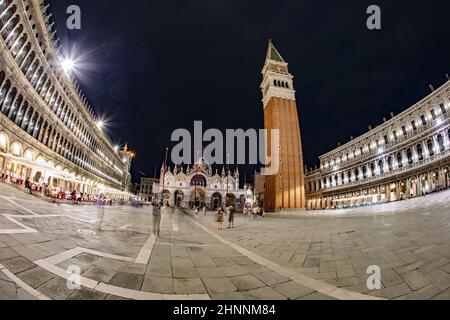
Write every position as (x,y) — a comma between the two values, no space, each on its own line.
(253,213)
(230,211)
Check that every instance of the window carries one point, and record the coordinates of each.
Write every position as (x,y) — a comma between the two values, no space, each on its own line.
(381,166)
(399,160)
(386,140)
(372,169)
(413,125)
(26,65)
(12,39)
(21,113)
(390,163)
(440,140)
(433,114)
(419,152)
(4,5)
(430,147)
(443,108)
(424,120)
(409,155)
(15,107)
(395,135)
(4,18)
(405,132)
(4,91)
(8,101)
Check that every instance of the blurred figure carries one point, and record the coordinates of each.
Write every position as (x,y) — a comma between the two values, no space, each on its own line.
(156,211)
(231,212)
(219,218)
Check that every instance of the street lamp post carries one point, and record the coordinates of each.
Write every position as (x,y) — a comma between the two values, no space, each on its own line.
(228,174)
(164,174)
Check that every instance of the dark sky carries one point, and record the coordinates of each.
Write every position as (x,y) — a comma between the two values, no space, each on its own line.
(151,67)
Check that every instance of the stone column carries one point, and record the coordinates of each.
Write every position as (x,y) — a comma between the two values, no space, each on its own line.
(408,188)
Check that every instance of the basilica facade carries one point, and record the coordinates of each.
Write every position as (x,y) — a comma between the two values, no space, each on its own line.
(48,132)
(198,186)
(406,156)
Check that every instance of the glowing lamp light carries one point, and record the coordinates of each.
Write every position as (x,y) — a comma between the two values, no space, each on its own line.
(67,65)
(100,124)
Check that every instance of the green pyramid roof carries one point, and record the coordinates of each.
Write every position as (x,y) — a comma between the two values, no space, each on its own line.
(273,54)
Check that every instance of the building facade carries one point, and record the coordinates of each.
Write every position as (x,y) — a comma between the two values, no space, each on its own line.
(199,186)
(146,189)
(259,188)
(48,133)
(407,156)
(285,189)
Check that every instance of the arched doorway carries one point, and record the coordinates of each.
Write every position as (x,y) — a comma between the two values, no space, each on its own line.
(198,198)
(166,196)
(216,200)
(179,197)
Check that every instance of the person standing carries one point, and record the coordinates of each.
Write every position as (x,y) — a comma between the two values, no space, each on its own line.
(28,185)
(204,210)
(231,212)
(250,212)
(156,211)
(219,213)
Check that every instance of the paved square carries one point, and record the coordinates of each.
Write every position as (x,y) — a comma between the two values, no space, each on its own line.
(304,255)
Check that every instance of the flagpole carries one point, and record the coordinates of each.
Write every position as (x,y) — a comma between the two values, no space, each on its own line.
(196,174)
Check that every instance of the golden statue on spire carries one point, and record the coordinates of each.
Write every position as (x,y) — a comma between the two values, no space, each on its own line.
(130,153)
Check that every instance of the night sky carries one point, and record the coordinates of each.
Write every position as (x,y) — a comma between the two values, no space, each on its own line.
(151,67)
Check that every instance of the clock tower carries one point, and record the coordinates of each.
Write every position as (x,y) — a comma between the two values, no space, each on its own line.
(285,189)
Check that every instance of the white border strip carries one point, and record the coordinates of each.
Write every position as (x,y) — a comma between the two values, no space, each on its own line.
(33,292)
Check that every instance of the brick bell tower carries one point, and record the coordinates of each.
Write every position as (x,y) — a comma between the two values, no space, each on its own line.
(286,189)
